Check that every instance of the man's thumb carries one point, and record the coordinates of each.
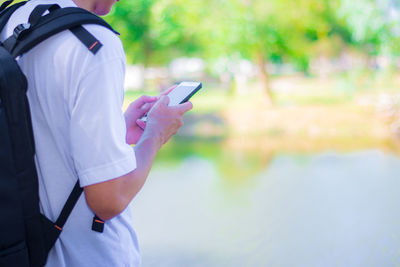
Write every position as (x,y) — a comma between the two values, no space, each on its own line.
(164,100)
(185,107)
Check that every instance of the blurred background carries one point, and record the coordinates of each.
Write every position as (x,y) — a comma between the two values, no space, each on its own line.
(290,156)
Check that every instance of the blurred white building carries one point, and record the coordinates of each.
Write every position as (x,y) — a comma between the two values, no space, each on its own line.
(184,68)
(139,77)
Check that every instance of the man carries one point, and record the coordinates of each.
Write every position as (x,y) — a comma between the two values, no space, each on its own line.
(81,133)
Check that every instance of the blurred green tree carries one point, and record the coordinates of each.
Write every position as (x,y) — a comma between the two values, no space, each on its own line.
(156,31)
(264,31)
(133,20)
(273,31)
(367,23)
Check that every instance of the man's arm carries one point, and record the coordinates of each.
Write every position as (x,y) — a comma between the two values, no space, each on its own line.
(108,199)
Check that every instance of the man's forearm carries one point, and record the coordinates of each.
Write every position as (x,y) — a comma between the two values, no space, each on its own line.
(145,151)
(110,198)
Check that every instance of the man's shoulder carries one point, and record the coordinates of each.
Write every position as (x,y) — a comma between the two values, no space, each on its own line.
(109,39)
(112,45)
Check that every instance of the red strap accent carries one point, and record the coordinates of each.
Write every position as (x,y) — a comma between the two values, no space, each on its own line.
(93,45)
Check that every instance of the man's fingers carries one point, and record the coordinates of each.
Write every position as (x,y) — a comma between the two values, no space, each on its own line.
(181,108)
(166,92)
(141,124)
(161,103)
(145,109)
(147,99)
(143,100)
(185,107)
(164,100)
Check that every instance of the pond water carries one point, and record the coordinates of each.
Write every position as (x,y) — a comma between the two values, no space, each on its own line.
(326,209)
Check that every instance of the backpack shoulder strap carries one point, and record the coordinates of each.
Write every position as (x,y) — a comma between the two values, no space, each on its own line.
(5,4)
(39,28)
(5,13)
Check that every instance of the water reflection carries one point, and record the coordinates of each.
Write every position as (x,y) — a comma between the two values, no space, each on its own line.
(328,209)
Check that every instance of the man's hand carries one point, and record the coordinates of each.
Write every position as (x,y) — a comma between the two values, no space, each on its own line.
(164,121)
(135,111)
(141,123)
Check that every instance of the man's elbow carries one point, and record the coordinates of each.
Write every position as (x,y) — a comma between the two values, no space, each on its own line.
(106,207)
(108,212)
(109,199)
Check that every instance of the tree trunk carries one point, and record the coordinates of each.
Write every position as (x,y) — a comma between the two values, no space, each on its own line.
(147,50)
(264,78)
(147,53)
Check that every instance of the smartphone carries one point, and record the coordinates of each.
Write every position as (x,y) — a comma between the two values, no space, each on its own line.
(181,94)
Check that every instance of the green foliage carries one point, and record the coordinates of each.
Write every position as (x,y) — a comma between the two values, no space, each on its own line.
(132,20)
(367,23)
(156,31)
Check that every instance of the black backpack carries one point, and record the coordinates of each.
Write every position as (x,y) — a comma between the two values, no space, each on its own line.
(26,236)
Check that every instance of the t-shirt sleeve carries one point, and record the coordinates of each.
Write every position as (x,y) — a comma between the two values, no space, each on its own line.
(98,130)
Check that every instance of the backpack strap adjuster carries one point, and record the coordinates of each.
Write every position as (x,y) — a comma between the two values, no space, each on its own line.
(58,227)
(21,30)
(97,224)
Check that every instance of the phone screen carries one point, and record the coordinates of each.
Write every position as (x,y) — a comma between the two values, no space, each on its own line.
(183,92)
(180,94)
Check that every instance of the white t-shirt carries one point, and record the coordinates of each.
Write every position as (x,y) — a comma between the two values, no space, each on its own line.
(75,100)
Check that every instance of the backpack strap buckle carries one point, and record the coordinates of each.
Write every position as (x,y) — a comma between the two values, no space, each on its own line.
(97,224)
(21,30)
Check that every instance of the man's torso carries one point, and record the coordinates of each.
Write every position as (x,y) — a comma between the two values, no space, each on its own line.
(74,100)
